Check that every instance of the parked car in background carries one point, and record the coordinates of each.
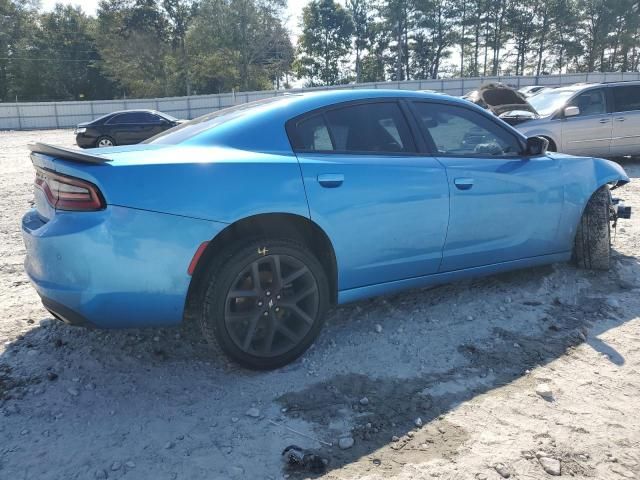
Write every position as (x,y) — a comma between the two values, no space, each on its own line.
(126,127)
(531,90)
(599,119)
(589,119)
(255,219)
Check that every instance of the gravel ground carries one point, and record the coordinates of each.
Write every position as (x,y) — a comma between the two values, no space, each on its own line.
(524,375)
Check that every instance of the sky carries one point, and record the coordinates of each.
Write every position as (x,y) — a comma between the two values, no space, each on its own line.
(294,9)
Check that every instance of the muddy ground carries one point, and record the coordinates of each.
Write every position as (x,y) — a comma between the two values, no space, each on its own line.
(437,383)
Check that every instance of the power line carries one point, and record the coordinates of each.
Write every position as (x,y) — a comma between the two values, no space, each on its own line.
(56,60)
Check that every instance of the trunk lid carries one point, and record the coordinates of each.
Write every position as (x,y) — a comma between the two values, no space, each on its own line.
(71,154)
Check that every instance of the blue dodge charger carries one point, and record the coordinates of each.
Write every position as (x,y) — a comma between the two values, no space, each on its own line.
(256,219)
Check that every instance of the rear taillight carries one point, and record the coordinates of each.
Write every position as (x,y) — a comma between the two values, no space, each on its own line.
(68,193)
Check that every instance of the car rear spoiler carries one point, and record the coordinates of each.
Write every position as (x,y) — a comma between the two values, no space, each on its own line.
(67,153)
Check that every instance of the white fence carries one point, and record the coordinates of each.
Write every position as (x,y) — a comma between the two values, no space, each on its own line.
(37,115)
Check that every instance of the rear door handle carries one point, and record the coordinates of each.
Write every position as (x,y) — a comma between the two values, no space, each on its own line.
(604,120)
(463,183)
(331,180)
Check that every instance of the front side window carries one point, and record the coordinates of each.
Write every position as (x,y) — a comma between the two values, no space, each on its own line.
(459,131)
(365,128)
(591,102)
(627,98)
(131,118)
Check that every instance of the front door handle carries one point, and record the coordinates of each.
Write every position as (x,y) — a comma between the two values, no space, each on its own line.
(604,120)
(620,119)
(331,180)
(463,183)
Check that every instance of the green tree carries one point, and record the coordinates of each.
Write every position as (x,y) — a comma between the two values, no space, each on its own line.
(374,63)
(18,24)
(399,22)
(179,16)
(325,42)
(238,44)
(361,12)
(521,18)
(133,41)
(65,38)
(434,35)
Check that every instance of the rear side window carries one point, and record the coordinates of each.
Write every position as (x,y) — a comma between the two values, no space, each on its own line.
(313,135)
(365,128)
(627,98)
(459,131)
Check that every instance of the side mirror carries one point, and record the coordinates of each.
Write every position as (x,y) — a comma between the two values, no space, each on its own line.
(537,146)
(571,111)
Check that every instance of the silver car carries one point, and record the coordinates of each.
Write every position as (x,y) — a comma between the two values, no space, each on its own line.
(532,90)
(588,119)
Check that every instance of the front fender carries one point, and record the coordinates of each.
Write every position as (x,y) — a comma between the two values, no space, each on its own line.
(581,177)
(610,172)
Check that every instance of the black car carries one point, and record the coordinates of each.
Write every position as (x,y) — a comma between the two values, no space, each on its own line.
(123,128)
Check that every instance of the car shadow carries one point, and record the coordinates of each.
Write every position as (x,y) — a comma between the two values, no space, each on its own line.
(393,419)
(398,421)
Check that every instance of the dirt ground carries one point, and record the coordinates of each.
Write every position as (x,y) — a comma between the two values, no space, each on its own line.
(464,361)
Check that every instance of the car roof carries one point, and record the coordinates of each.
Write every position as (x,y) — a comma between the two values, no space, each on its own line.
(341,95)
(581,86)
(302,102)
(137,110)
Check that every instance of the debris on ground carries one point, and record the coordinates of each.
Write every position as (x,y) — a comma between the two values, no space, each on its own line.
(346,442)
(544,390)
(304,460)
(253,412)
(550,465)
(502,470)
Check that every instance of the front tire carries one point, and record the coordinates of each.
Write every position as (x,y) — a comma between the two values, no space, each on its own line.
(552,145)
(592,247)
(265,302)
(105,141)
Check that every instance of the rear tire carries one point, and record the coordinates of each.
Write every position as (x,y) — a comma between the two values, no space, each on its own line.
(592,247)
(265,302)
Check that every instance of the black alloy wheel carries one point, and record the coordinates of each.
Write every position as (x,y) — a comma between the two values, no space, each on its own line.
(266,304)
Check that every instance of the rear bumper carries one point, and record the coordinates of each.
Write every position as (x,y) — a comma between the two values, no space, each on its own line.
(65,314)
(115,268)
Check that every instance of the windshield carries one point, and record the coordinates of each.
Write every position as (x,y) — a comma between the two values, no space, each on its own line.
(547,102)
(198,125)
(171,118)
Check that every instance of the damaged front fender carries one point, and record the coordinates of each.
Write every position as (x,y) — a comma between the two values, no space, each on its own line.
(611,173)
(581,177)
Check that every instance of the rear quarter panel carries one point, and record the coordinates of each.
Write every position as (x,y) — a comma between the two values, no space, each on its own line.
(211,183)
